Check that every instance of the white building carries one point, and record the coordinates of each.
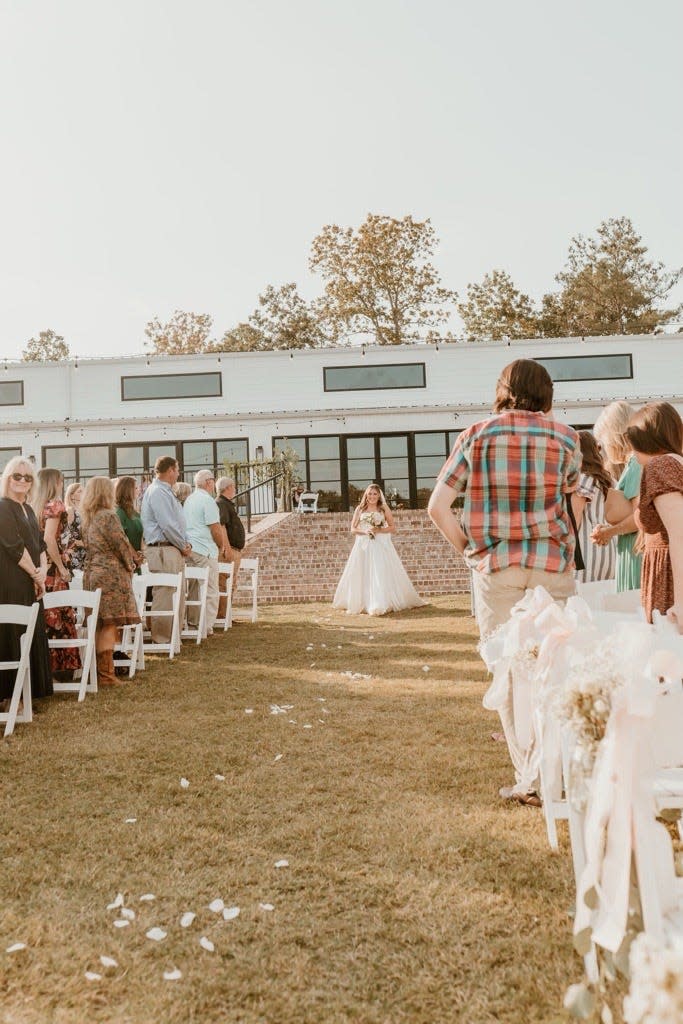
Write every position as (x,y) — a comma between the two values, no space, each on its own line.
(353,414)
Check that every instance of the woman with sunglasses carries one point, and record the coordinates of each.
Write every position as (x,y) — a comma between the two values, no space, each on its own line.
(23,566)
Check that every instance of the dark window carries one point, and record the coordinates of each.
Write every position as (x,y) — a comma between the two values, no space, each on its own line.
(607,367)
(171,385)
(6,454)
(63,459)
(371,378)
(11,392)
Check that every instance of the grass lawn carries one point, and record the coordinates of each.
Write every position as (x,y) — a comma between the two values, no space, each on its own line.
(411,895)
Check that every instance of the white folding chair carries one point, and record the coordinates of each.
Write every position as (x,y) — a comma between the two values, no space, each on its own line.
(19,615)
(173,581)
(225,569)
(196,582)
(627,602)
(308,502)
(76,582)
(594,593)
(86,604)
(132,641)
(247,588)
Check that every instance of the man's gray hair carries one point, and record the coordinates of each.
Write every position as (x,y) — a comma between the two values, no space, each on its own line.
(202,476)
(223,482)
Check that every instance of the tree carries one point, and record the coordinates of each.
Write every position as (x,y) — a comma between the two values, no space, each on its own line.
(48,347)
(243,338)
(185,334)
(285,320)
(379,279)
(608,286)
(495,309)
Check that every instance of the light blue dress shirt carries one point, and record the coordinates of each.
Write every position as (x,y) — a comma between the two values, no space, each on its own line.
(162,516)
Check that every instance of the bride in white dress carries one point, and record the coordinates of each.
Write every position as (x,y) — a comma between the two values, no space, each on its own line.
(374,580)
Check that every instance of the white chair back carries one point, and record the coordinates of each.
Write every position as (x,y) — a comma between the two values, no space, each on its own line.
(19,615)
(196,583)
(86,604)
(627,602)
(174,581)
(131,643)
(247,589)
(594,593)
(225,572)
(308,502)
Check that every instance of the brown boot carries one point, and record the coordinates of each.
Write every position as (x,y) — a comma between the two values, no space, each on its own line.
(105,670)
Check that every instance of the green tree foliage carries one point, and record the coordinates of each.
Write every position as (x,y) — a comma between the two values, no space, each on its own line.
(185,334)
(48,347)
(379,280)
(496,309)
(285,320)
(608,286)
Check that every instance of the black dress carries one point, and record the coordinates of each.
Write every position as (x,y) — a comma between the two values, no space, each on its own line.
(19,530)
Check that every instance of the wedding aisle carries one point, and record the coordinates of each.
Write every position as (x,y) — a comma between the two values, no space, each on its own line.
(341,794)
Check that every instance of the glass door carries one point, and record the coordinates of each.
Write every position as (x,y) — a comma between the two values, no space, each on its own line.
(394,470)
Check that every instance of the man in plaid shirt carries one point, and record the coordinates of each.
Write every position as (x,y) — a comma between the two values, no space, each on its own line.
(515,471)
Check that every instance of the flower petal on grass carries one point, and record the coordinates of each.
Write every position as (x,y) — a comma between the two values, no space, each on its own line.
(307,726)
(93,976)
(174,975)
(425,668)
(278,757)
(249,711)
(16,947)
(121,923)
(128,914)
(156,934)
(216,905)
(281,863)
(266,906)
(206,944)
(148,897)
(230,913)
(187,919)
(185,783)
(118,902)
(130,821)
(108,961)
(219,778)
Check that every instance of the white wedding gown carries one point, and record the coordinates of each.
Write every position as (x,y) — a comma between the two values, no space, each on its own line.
(374,580)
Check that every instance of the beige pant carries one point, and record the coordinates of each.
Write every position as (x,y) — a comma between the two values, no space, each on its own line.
(202,562)
(235,559)
(495,595)
(164,559)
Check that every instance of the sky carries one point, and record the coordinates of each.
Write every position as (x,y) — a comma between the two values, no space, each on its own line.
(161,155)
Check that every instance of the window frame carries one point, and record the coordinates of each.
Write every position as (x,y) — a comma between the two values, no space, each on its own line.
(7,405)
(380,387)
(171,398)
(542,360)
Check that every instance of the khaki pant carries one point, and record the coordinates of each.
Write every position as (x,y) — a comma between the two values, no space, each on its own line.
(165,559)
(202,562)
(495,595)
(235,559)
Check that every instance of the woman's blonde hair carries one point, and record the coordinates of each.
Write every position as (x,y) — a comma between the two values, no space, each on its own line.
(15,466)
(69,493)
(381,503)
(98,494)
(49,485)
(182,491)
(610,430)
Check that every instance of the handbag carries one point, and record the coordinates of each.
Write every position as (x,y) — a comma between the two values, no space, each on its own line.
(579,563)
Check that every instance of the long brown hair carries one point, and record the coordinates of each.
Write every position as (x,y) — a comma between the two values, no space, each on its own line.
(592,463)
(524,384)
(656,429)
(98,494)
(381,503)
(124,494)
(49,485)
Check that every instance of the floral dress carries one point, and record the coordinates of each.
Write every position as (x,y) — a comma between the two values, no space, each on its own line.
(70,537)
(109,565)
(60,622)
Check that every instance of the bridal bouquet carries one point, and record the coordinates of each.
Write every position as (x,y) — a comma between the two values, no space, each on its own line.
(372,521)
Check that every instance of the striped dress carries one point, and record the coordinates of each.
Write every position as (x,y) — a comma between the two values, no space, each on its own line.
(600,562)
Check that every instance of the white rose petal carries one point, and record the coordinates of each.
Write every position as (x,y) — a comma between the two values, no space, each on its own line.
(156,934)
(128,914)
(230,913)
(130,821)
(216,905)
(206,944)
(174,975)
(187,919)
(219,778)
(281,863)
(93,976)
(249,711)
(108,961)
(278,757)
(185,783)
(16,947)
(118,902)
(148,897)
(425,668)
(121,923)
(308,727)
(266,906)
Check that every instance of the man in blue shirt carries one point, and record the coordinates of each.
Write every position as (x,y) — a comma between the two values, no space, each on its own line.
(166,540)
(205,533)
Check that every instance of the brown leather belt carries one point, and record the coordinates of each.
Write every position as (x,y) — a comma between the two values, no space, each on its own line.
(161,544)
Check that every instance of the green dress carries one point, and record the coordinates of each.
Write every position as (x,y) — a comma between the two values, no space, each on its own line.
(628,563)
(132,527)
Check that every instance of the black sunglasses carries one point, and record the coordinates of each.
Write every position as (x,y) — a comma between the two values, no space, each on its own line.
(28,477)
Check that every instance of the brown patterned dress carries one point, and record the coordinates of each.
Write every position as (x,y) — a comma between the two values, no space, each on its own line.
(662,475)
(60,622)
(109,564)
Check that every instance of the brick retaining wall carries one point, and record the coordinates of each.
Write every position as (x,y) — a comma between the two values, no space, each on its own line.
(303,556)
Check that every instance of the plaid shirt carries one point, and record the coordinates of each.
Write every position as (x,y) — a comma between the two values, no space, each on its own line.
(515,470)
